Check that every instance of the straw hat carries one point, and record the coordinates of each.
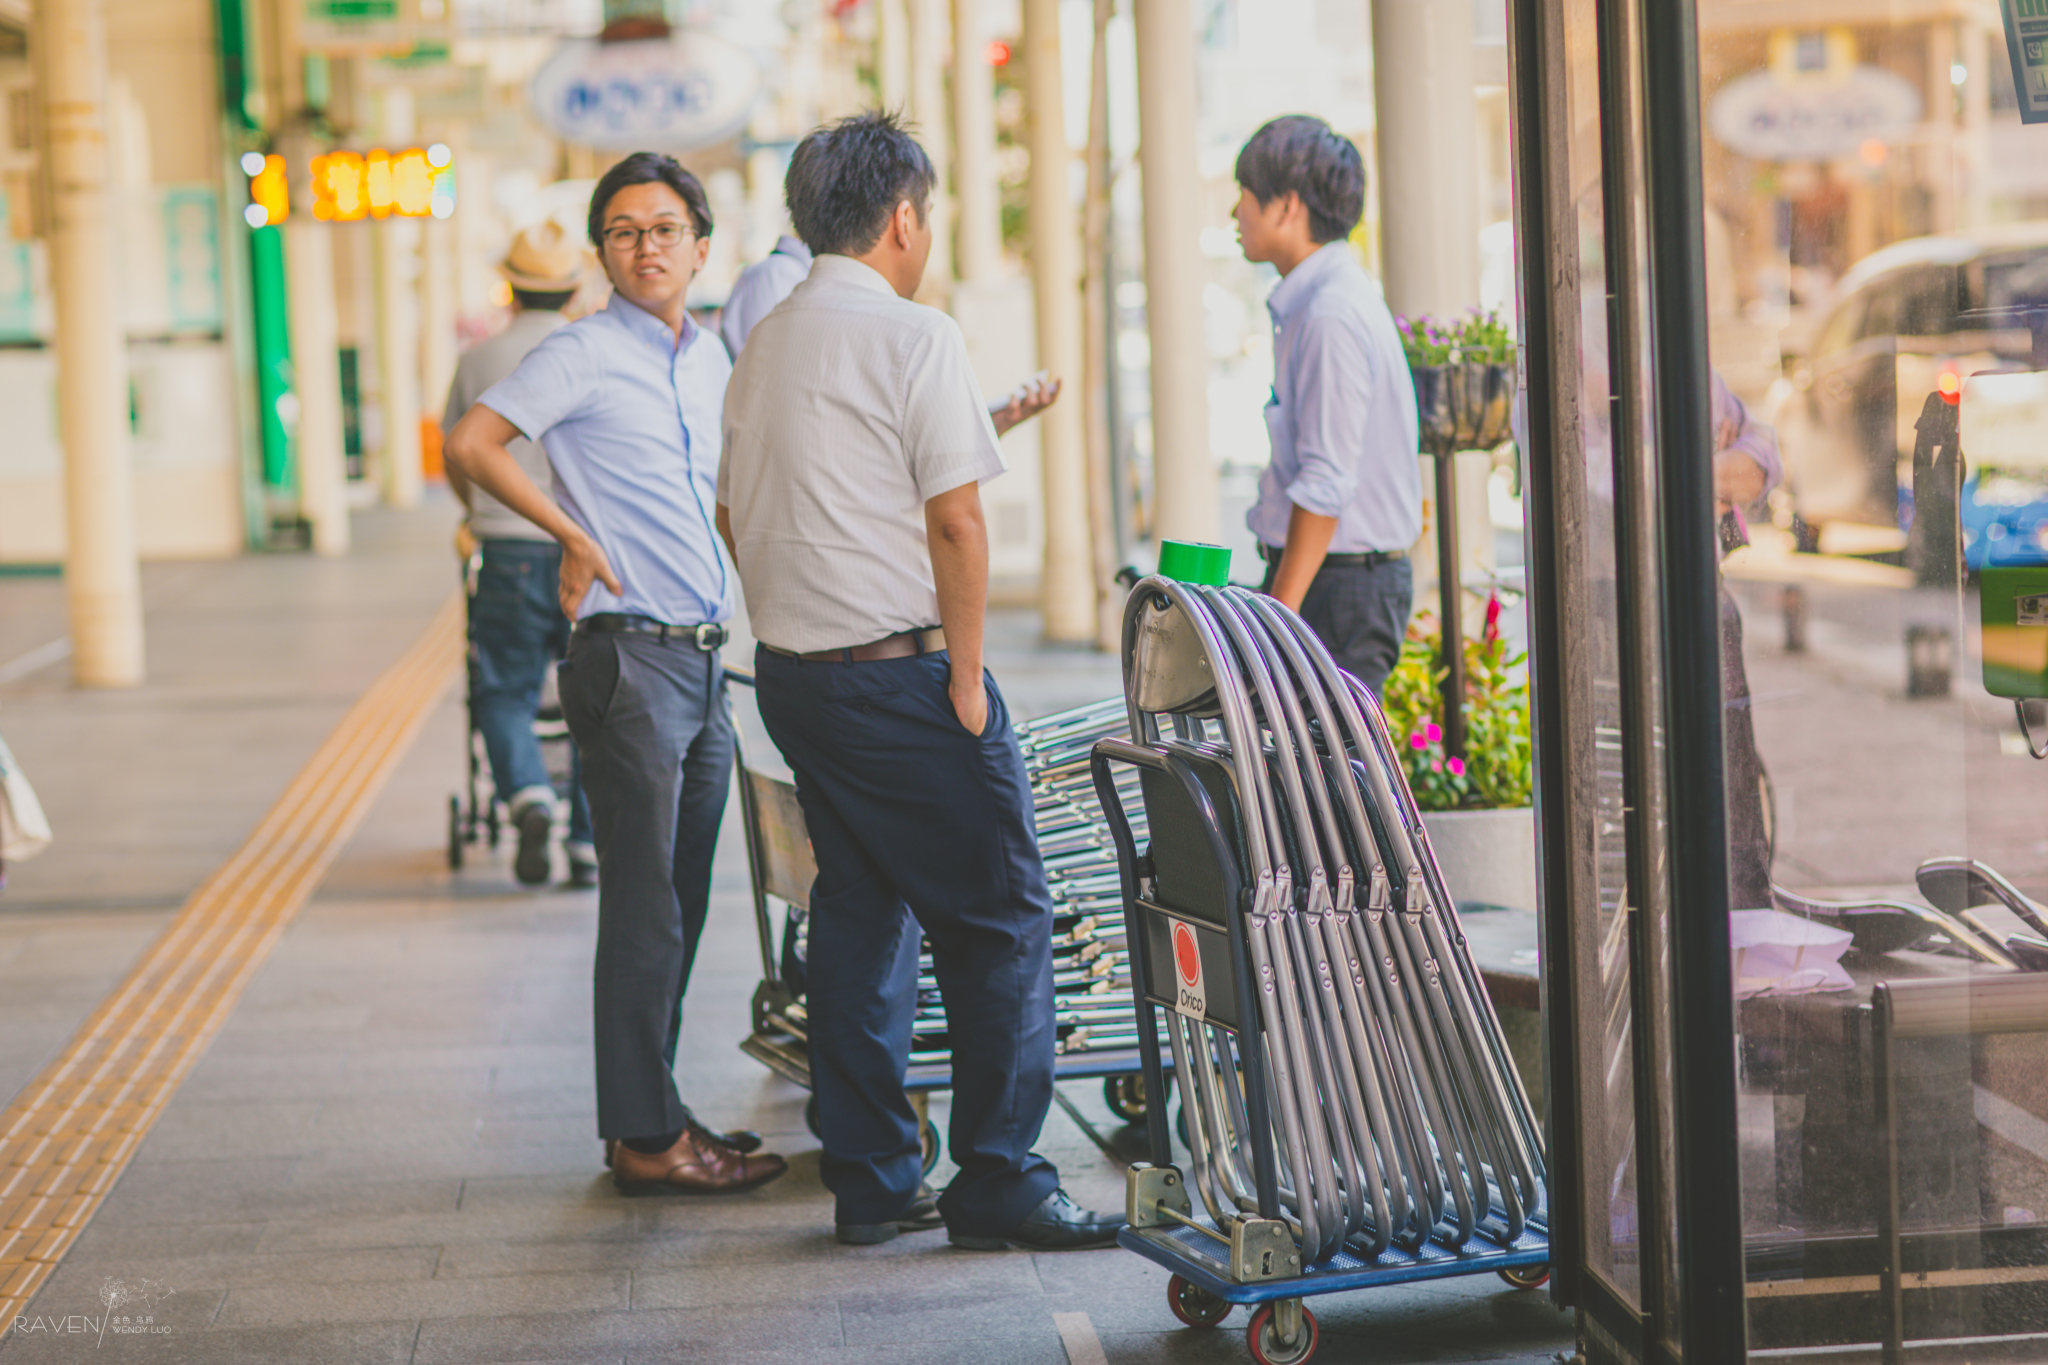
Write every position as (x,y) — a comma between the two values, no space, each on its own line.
(545,260)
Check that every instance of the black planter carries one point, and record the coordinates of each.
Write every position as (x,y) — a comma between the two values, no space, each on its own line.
(1465,405)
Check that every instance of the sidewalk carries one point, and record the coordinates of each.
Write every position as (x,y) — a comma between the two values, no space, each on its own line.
(389,1152)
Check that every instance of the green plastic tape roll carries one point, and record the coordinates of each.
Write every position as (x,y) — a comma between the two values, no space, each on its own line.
(1187,561)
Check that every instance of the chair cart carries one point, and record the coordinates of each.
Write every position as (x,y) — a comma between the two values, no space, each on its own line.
(1354,1118)
(1096,1027)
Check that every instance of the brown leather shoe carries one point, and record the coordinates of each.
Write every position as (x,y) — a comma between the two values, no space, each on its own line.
(692,1166)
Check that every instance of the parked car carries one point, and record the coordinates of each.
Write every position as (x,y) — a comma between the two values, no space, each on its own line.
(1914,318)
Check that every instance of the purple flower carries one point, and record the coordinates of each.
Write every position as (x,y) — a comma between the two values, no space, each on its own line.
(1436,765)
(1435,732)
(1418,740)
(1457,767)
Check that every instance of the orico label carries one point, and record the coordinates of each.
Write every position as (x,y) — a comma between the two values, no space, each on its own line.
(1190,996)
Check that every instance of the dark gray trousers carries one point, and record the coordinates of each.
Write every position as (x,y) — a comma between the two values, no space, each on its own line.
(1360,613)
(652,728)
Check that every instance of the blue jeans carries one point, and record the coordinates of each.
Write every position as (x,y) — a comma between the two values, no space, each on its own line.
(516,629)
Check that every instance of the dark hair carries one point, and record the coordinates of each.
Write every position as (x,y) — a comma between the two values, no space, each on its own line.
(649,168)
(543,300)
(846,178)
(1305,155)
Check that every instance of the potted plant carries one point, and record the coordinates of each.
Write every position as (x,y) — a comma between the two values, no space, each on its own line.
(1475,806)
(1464,396)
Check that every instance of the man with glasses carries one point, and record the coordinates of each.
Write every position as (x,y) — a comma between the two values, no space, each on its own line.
(626,403)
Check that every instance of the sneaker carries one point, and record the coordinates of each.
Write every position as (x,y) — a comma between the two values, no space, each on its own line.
(921,1215)
(535,822)
(582,873)
(1058,1224)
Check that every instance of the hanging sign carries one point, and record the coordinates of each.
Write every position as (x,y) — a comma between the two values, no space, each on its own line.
(1771,119)
(671,94)
(416,183)
(2026,38)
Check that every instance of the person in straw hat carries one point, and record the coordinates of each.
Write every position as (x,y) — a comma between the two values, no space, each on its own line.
(516,628)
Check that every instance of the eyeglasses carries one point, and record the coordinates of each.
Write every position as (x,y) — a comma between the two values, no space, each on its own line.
(663,235)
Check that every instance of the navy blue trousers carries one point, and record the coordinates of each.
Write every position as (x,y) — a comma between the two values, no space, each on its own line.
(919,825)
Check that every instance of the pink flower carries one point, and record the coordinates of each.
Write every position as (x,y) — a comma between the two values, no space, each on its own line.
(1436,765)
(1435,732)
(1419,740)
(1457,767)
(1492,619)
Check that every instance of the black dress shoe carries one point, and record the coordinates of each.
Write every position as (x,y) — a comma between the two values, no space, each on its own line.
(1058,1224)
(741,1140)
(921,1215)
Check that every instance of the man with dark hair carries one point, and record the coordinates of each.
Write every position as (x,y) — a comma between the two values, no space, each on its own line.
(627,402)
(856,442)
(1341,501)
(515,626)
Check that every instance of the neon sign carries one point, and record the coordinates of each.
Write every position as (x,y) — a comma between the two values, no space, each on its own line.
(348,187)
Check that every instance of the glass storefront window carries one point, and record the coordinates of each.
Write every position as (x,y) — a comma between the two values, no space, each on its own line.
(1876,239)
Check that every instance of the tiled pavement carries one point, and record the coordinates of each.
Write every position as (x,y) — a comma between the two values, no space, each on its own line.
(388,1154)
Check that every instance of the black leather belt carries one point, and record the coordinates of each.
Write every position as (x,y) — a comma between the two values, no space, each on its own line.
(1362,559)
(707,637)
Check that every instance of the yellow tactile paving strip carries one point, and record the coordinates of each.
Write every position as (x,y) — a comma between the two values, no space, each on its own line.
(70,1133)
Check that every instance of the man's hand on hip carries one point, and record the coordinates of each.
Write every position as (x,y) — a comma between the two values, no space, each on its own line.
(584,562)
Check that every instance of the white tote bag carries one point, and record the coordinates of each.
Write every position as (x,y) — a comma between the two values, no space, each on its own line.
(24,830)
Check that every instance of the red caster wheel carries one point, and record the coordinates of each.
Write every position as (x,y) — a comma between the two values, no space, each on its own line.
(1264,1336)
(1194,1305)
(1526,1276)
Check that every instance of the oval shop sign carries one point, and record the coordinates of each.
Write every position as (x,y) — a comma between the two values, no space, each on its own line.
(671,94)
(1762,117)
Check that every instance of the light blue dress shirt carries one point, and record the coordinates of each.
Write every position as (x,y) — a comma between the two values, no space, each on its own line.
(631,424)
(760,287)
(1346,439)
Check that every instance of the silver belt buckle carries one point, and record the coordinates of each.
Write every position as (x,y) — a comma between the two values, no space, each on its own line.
(706,639)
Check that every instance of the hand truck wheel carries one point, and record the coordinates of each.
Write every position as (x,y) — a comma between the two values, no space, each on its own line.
(455,840)
(492,823)
(1126,1098)
(1194,1305)
(1264,1336)
(928,1138)
(1526,1276)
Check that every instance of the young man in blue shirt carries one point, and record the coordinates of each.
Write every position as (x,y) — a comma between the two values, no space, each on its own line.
(1341,501)
(626,403)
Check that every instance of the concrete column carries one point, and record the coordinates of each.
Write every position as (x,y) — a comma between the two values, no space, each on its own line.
(395,260)
(976,193)
(931,37)
(101,579)
(1184,495)
(1422,94)
(323,458)
(1944,185)
(892,52)
(1067,585)
(1981,46)
(1096,358)
(438,277)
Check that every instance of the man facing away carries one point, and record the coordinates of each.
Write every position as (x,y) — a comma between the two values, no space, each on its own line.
(516,625)
(1341,501)
(759,288)
(855,445)
(627,403)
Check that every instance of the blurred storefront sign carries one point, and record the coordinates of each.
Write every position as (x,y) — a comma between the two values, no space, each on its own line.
(346,27)
(1770,118)
(685,91)
(348,187)
(2026,38)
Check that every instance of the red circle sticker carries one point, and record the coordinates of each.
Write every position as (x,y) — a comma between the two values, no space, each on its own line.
(1187,957)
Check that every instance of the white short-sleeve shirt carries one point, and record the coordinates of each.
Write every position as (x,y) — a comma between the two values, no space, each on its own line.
(847,411)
